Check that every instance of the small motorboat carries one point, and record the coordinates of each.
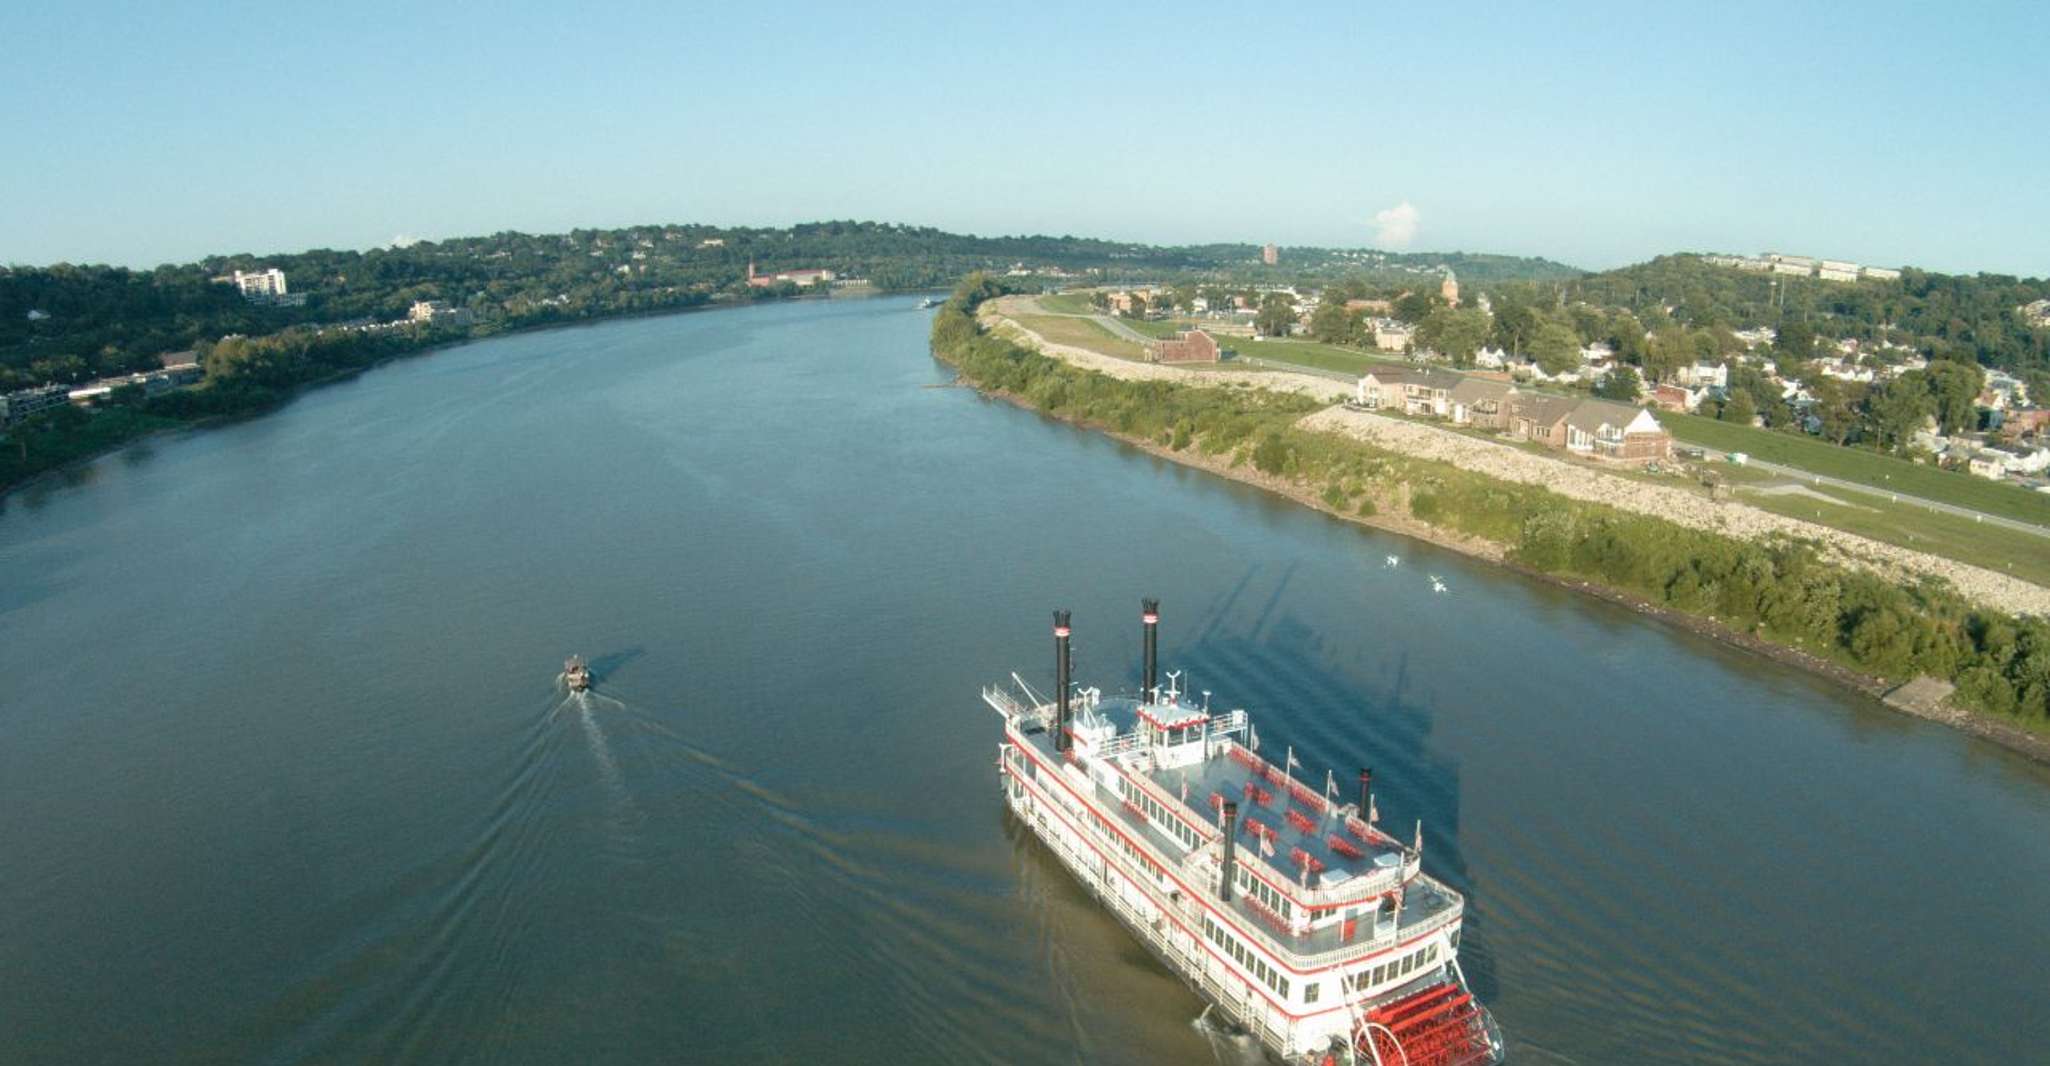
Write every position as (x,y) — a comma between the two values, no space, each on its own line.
(575,674)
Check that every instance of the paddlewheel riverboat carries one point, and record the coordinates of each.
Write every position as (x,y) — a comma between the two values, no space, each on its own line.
(1295,915)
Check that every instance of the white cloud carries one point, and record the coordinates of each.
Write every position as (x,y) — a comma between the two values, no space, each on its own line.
(1397,226)
(404,240)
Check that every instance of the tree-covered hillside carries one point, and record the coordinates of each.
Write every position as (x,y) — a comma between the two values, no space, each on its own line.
(1944,316)
(72,323)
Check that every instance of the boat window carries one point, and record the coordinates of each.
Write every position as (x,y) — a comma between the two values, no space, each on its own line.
(1310,992)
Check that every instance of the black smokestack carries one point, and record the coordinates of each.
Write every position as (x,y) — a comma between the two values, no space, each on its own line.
(1231,857)
(1149,613)
(1366,791)
(1060,680)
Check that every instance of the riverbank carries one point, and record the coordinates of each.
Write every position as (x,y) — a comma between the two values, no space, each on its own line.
(1684,504)
(1782,598)
(154,426)
(2033,745)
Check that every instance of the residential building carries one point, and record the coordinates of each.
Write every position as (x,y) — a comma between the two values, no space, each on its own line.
(1793,269)
(1541,418)
(182,368)
(1481,402)
(1617,431)
(1192,346)
(1677,398)
(22,403)
(1411,390)
(2025,422)
(1270,255)
(257,286)
(1705,376)
(1831,273)
(1391,335)
(1881,274)
(806,276)
(438,312)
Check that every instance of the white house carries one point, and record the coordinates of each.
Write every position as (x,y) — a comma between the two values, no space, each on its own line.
(1705,376)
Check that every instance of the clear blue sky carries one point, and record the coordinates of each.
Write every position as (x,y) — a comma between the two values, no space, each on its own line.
(1598,134)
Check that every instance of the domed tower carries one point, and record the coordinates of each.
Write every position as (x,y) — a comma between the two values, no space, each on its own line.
(1450,290)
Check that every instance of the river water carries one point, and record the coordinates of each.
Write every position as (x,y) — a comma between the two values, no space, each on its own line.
(285,776)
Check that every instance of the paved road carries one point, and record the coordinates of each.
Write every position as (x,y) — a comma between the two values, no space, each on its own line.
(1808,478)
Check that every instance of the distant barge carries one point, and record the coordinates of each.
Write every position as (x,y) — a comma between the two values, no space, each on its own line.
(1302,921)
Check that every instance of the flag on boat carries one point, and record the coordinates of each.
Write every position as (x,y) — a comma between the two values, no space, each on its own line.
(1252,737)
(1293,763)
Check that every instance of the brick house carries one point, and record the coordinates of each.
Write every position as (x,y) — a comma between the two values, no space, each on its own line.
(1480,402)
(1616,431)
(1541,418)
(1193,346)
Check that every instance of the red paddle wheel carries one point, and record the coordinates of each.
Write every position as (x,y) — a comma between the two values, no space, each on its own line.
(1439,1026)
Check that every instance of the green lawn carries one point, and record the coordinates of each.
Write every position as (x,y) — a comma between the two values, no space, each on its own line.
(1310,354)
(1864,467)
(1081,333)
(1987,545)
(1068,303)
(1150,328)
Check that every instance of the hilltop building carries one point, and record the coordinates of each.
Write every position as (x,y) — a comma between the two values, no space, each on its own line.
(1450,290)
(257,286)
(1270,255)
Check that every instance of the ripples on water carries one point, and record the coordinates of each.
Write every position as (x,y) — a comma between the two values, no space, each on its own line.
(325,807)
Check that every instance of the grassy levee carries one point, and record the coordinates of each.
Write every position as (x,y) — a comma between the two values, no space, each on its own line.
(1864,467)
(1161,330)
(1780,592)
(1313,354)
(1081,333)
(1068,303)
(1986,544)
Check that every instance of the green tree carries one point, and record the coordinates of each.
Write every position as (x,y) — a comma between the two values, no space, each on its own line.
(1954,387)
(1555,347)
(1795,341)
(1333,324)
(1414,307)
(1455,334)
(1739,408)
(1834,409)
(1620,384)
(1896,411)
(1276,315)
